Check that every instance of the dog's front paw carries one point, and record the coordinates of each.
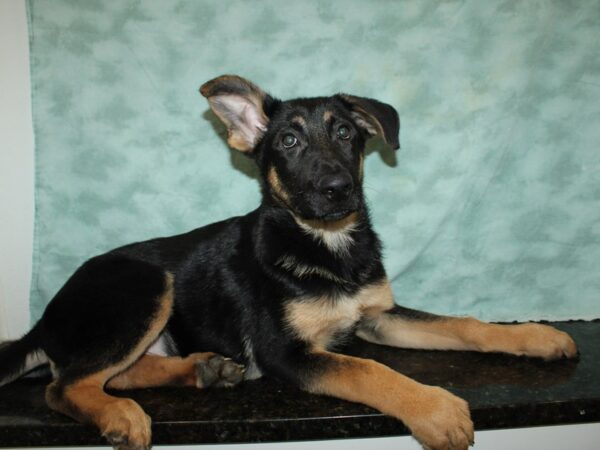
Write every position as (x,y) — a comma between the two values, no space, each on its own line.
(219,372)
(543,341)
(441,420)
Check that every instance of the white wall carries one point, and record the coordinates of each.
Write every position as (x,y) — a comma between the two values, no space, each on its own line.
(16,170)
(16,233)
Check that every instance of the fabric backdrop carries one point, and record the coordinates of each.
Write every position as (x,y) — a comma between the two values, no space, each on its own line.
(491,207)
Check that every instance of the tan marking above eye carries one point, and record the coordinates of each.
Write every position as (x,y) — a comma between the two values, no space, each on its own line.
(299,120)
(327,115)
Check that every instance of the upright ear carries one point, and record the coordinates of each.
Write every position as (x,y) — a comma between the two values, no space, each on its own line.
(374,117)
(239,105)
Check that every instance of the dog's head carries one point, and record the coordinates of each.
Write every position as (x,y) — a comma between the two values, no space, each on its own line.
(310,150)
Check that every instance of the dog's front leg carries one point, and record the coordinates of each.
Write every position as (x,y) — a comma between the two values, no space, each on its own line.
(407,328)
(436,418)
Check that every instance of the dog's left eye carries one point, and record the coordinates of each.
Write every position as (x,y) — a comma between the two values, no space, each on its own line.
(343,132)
(289,140)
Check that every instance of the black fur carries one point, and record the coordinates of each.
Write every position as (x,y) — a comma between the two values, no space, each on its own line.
(13,355)
(230,286)
(274,289)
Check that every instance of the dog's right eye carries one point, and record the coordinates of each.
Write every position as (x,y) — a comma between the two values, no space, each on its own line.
(289,140)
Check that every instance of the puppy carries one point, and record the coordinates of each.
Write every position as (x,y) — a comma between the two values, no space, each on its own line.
(273,290)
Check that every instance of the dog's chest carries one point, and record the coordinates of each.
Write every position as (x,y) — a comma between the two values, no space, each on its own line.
(320,320)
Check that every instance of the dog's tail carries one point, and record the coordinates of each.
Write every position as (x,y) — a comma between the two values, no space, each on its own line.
(19,357)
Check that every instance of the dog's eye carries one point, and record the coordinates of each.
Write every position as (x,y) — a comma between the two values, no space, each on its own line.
(343,132)
(289,140)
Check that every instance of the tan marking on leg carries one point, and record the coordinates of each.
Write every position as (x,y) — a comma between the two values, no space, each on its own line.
(159,321)
(122,421)
(376,298)
(456,333)
(153,370)
(437,418)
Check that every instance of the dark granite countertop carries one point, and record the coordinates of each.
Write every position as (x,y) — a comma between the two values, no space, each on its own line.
(503,392)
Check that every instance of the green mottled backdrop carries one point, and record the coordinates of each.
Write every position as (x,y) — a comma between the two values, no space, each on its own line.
(491,208)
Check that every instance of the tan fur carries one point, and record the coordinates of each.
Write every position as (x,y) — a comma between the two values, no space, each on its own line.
(363,118)
(316,320)
(327,116)
(86,401)
(456,333)
(117,418)
(159,321)
(299,120)
(434,416)
(278,188)
(153,371)
(238,142)
(254,95)
(335,235)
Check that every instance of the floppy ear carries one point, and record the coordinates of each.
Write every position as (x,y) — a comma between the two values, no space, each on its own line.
(239,105)
(374,117)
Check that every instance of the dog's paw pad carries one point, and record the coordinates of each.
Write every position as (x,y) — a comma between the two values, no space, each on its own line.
(219,371)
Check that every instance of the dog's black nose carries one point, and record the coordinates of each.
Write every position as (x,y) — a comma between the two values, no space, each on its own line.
(336,187)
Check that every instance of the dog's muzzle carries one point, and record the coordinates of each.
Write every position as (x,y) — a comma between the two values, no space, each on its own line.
(336,188)
(335,196)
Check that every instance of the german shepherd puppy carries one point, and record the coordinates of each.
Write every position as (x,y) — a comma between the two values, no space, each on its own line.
(273,290)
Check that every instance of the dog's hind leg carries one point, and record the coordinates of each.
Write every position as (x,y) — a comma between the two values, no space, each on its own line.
(99,324)
(198,369)
(120,420)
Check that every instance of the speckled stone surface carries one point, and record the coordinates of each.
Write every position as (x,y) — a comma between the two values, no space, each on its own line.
(503,392)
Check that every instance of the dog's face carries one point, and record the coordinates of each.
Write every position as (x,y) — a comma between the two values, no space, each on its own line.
(311,150)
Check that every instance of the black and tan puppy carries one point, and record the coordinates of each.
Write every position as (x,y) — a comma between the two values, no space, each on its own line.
(273,290)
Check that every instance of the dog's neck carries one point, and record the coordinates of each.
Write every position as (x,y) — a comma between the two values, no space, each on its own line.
(347,250)
(337,236)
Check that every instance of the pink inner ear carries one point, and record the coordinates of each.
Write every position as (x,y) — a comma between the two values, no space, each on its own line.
(242,116)
(255,120)
(361,121)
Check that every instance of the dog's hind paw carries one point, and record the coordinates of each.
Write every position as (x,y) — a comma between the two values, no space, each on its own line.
(218,371)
